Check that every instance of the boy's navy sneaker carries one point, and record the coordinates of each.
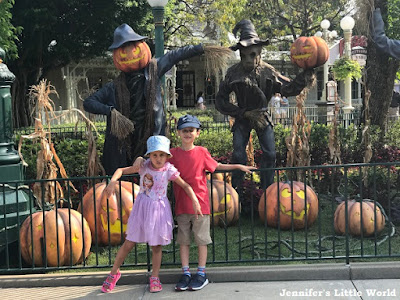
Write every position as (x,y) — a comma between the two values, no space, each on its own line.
(198,282)
(183,283)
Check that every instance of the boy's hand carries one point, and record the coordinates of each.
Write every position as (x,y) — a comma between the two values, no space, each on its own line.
(246,169)
(139,162)
(197,209)
(110,189)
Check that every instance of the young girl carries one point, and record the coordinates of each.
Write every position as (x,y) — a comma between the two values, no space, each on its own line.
(151,219)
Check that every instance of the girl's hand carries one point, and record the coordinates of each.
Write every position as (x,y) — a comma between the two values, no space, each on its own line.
(110,189)
(197,209)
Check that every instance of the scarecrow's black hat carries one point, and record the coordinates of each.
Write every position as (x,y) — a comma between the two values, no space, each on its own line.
(248,35)
(123,34)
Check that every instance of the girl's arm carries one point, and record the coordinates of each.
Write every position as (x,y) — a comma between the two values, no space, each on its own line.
(110,189)
(189,191)
(229,167)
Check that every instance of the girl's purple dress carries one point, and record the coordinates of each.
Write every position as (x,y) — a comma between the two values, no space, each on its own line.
(151,219)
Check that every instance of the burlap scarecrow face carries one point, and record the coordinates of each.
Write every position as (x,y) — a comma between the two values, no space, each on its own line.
(250,57)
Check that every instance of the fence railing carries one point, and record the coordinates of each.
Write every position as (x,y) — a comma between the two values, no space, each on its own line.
(304,221)
(283,117)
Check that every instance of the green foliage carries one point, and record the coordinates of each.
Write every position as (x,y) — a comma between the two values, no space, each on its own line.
(345,67)
(272,19)
(393,134)
(393,28)
(8,32)
(73,152)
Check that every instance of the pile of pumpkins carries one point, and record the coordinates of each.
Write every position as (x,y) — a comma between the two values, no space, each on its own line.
(64,236)
(70,233)
(364,218)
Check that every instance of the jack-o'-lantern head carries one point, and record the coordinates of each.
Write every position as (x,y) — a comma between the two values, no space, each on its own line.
(108,216)
(130,52)
(132,56)
(291,200)
(309,52)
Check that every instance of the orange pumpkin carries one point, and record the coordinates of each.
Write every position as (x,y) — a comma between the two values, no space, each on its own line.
(354,208)
(309,52)
(56,226)
(225,207)
(132,56)
(107,216)
(285,209)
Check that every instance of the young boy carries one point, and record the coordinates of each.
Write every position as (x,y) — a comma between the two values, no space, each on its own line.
(192,162)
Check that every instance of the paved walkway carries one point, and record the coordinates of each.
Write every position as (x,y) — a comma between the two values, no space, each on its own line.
(312,281)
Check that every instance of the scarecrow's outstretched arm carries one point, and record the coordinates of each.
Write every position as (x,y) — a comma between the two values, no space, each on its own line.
(382,42)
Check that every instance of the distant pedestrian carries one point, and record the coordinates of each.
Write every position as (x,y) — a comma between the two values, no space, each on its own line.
(276,104)
(200,101)
(284,108)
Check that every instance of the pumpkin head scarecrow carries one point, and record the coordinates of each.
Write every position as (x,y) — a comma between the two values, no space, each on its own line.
(132,102)
(254,82)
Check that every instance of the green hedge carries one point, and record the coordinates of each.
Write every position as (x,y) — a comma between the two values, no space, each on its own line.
(73,153)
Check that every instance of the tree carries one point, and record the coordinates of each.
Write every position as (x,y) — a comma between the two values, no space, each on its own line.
(276,20)
(57,32)
(381,69)
(8,33)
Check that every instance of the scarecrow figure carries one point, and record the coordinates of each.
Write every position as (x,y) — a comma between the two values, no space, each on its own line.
(133,102)
(383,43)
(254,82)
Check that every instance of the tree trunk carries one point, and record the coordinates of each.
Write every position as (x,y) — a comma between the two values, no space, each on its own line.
(381,73)
(22,105)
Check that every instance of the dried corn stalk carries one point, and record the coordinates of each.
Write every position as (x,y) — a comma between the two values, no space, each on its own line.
(366,137)
(297,143)
(47,191)
(334,142)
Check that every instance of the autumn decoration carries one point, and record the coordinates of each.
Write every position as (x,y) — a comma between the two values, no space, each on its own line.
(131,57)
(278,199)
(55,238)
(224,202)
(364,217)
(309,52)
(108,217)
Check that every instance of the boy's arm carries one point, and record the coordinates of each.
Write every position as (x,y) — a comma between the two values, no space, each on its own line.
(229,167)
(110,189)
(189,191)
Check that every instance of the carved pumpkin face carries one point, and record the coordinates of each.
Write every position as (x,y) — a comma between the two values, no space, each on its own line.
(109,215)
(225,208)
(59,238)
(304,201)
(367,226)
(309,52)
(132,56)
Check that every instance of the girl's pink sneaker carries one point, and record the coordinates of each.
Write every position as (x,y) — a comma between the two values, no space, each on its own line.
(110,282)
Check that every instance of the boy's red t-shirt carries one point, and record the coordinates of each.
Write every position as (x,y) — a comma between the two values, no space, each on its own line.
(192,165)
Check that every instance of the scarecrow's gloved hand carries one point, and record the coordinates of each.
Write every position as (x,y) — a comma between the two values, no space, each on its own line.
(257,118)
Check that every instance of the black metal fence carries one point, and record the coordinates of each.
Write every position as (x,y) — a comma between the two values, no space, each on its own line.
(310,215)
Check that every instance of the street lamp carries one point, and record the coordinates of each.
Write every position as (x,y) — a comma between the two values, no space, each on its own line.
(325,26)
(327,36)
(347,24)
(158,14)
